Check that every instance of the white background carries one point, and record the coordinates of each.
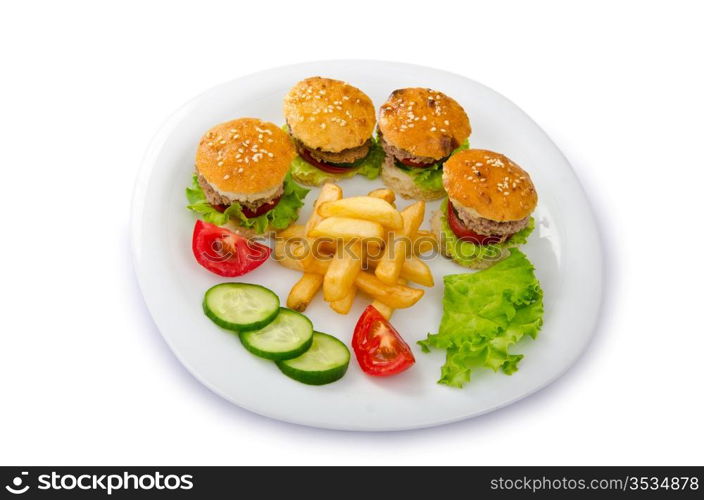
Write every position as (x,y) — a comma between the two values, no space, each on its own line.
(85,377)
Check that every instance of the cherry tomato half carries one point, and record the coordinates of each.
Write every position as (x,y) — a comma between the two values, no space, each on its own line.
(225,253)
(379,348)
(466,234)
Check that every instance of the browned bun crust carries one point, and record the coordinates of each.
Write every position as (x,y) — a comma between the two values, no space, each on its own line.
(423,122)
(489,185)
(245,156)
(329,115)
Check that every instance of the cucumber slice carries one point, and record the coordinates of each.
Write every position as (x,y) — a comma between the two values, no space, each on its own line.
(288,336)
(240,306)
(326,361)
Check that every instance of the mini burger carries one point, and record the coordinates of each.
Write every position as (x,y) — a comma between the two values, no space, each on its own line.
(418,130)
(331,123)
(242,178)
(488,208)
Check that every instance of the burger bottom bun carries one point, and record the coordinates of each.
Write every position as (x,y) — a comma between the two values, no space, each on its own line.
(403,184)
(478,264)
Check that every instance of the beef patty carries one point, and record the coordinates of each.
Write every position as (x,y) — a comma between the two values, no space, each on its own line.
(480,225)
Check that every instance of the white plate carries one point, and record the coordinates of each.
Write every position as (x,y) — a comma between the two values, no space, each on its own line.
(565,249)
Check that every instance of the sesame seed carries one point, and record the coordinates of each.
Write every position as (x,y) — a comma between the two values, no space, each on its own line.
(210,144)
(433,129)
(447,122)
(240,170)
(226,177)
(220,164)
(271,155)
(223,141)
(322,125)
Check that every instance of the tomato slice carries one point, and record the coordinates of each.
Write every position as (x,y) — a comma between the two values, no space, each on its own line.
(466,234)
(248,212)
(325,167)
(415,164)
(261,210)
(379,348)
(225,253)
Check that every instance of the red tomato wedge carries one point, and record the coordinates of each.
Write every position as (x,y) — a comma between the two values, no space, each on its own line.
(225,253)
(466,234)
(325,167)
(379,348)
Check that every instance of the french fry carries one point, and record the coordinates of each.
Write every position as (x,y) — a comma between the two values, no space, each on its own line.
(385,194)
(385,310)
(317,266)
(389,268)
(292,231)
(329,192)
(344,305)
(347,229)
(396,296)
(424,242)
(303,291)
(283,254)
(363,207)
(413,269)
(342,271)
(417,271)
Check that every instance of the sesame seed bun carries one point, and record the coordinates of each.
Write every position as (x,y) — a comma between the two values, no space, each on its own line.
(424,122)
(489,185)
(329,115)
(245,157)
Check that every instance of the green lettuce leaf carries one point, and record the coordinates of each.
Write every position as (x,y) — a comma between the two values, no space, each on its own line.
(484,315)
(281,216)
(429,178)
(469,254)
(369,166)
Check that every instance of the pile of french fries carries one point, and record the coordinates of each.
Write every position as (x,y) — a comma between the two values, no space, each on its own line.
(361,243)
